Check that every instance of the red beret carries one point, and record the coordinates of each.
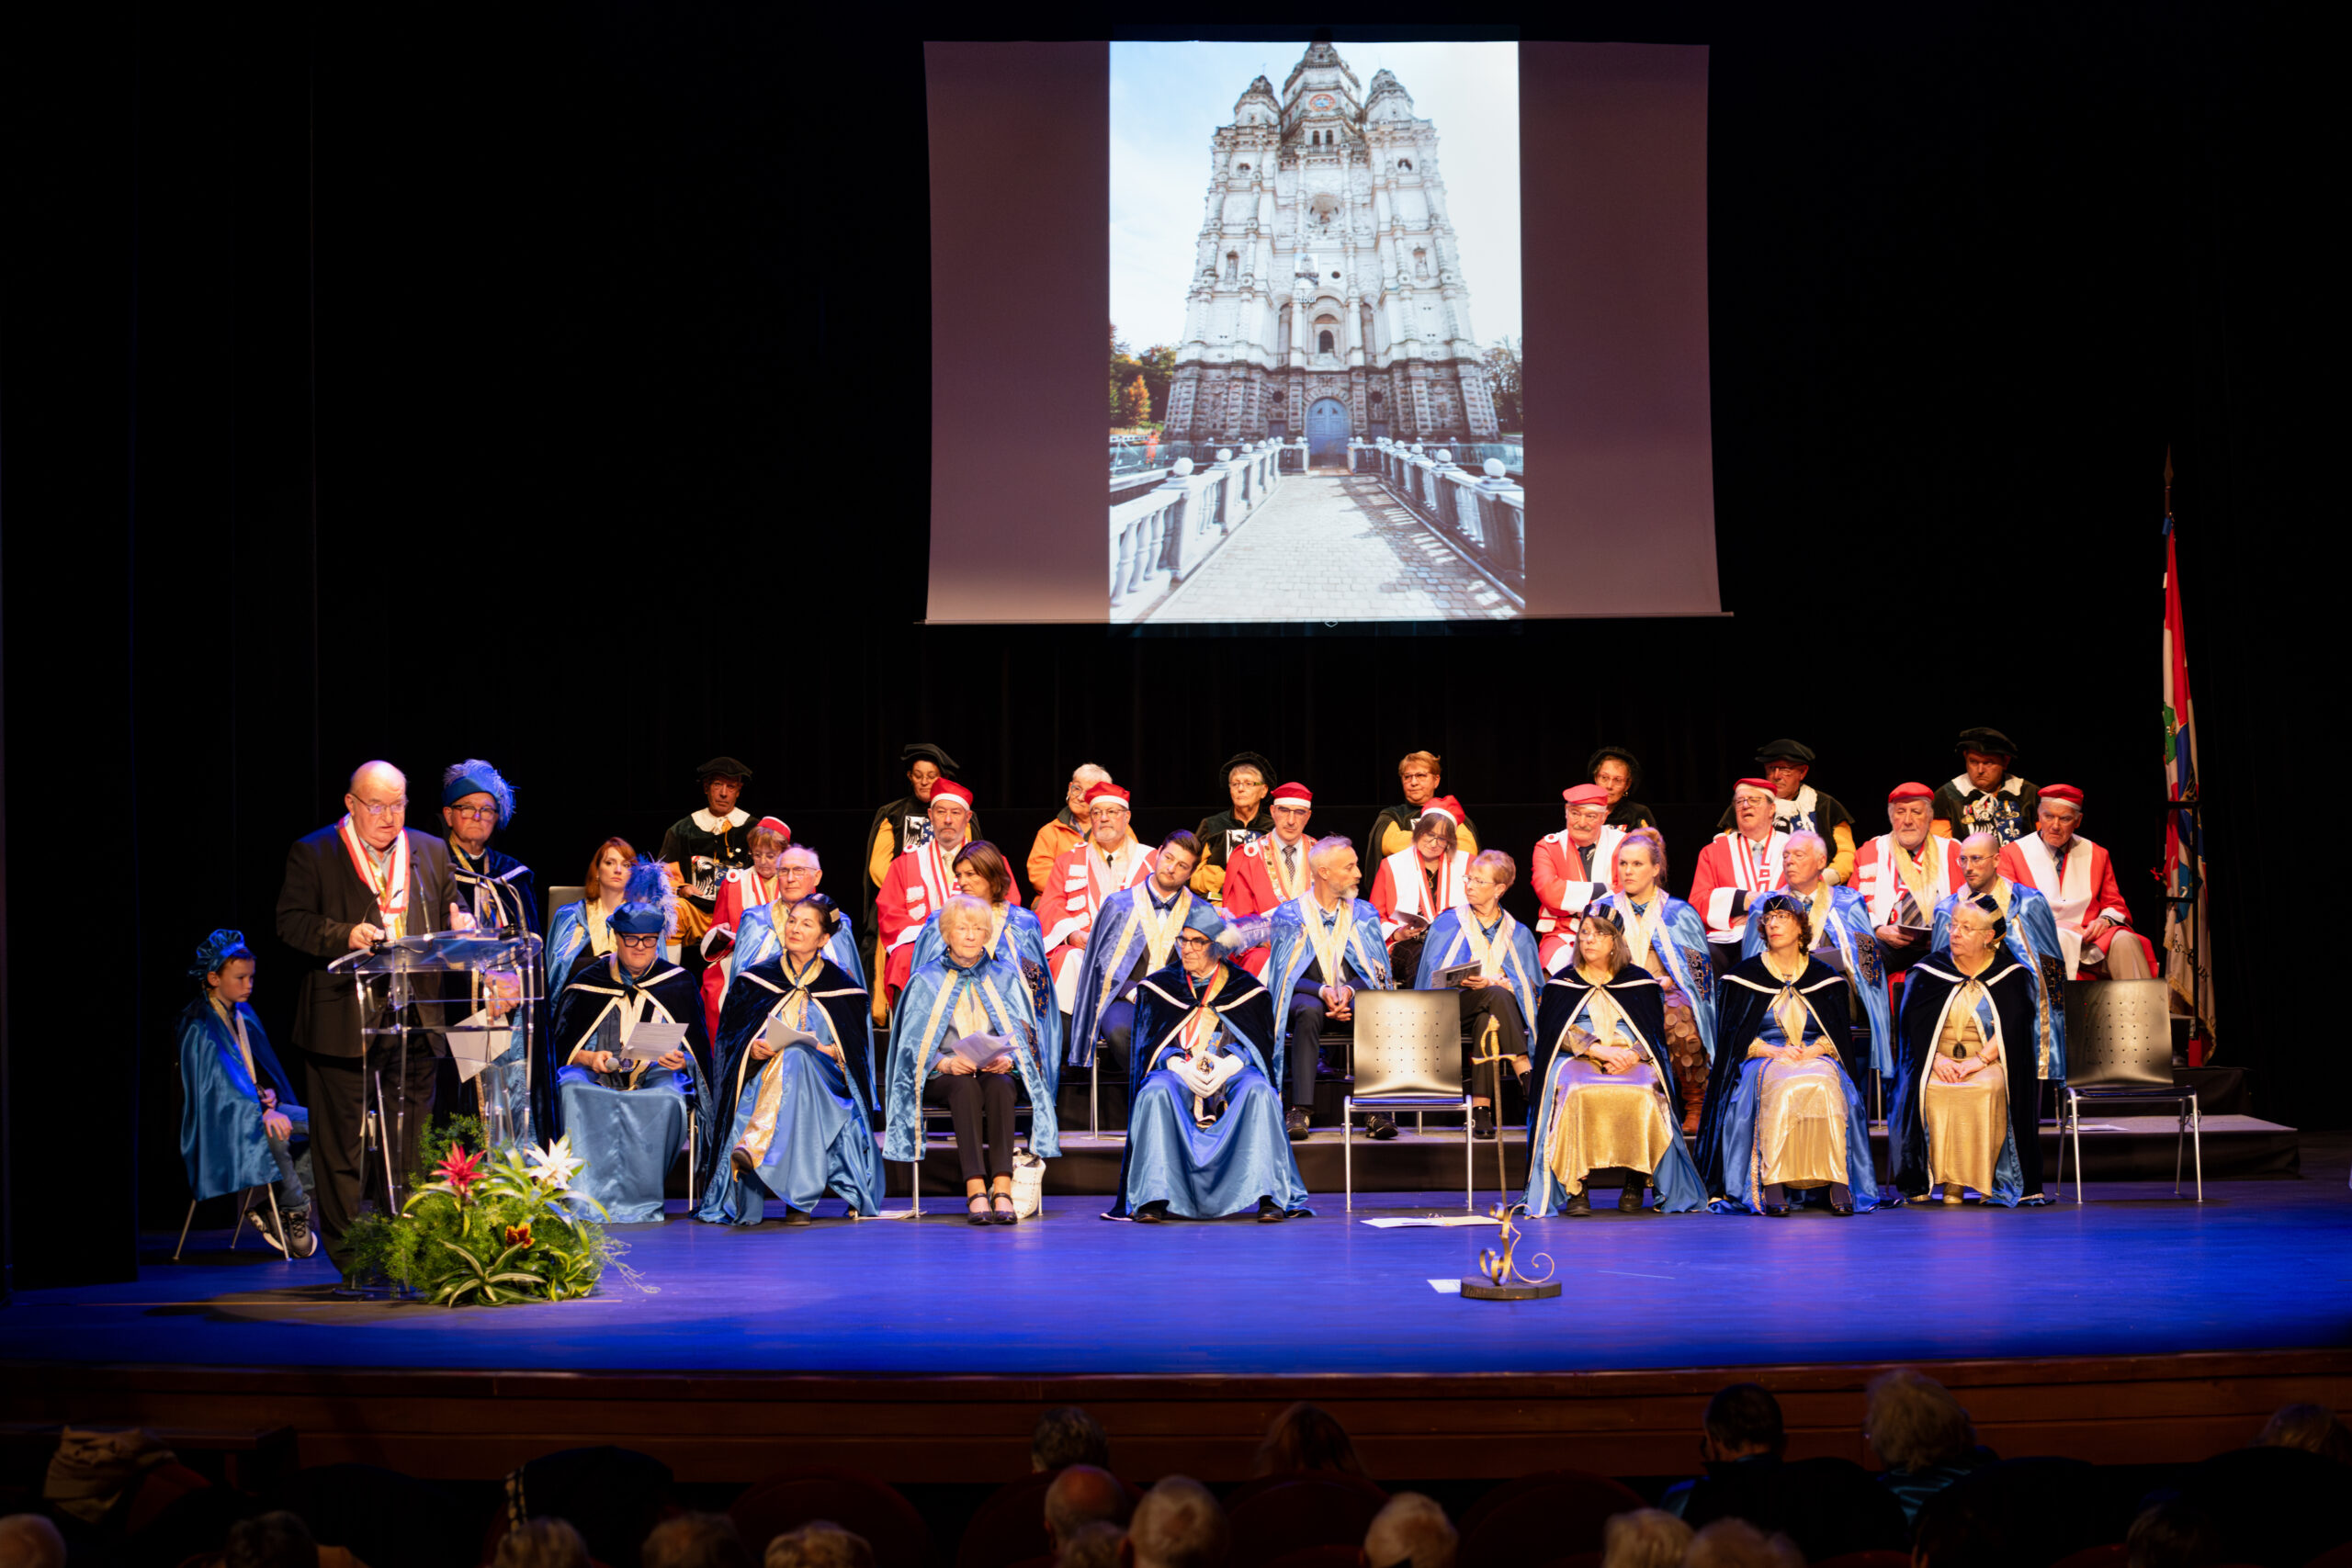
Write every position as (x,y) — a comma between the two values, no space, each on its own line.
(1909,792)
(1764,785)
(1294,794)
(1585,794)
(2066,793)
(953,791)
(1106,790)
(773,825)
(1443,805)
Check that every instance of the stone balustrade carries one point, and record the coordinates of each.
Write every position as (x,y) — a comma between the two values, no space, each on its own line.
(1158,538)
(1483,514)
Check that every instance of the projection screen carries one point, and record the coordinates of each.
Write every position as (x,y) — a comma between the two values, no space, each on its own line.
(1396,332)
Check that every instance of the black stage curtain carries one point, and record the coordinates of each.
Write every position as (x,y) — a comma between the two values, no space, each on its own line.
(551,386)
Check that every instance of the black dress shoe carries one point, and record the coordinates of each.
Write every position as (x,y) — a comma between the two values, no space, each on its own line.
(1842,1199)
(1579,1207)
(1294,1123)
(1776,1211)
(1270,1213)
(979,1216)
(1152,1215)
(1380,1127)
(1001,1212)
(799,1216)
(1482,1122)
(1629,1198)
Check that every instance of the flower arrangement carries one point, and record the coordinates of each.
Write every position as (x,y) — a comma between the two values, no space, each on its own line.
(489,1229)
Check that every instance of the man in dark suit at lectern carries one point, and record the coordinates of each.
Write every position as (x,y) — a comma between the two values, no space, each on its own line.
(362,880)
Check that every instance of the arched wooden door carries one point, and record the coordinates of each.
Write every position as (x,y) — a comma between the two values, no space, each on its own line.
(1327,432)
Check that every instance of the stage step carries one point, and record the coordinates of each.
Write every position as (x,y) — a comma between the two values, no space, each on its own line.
(2115,1148)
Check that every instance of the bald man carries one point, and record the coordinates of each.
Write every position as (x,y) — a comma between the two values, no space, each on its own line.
(367,878)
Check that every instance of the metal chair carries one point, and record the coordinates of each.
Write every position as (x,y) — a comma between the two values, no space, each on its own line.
(1408,1050)
(2119,1047)
(237,1221)
(926,1115)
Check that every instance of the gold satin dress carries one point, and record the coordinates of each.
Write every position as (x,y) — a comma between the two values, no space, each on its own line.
(1967,1121)
(1604,1120)
(1800,1107)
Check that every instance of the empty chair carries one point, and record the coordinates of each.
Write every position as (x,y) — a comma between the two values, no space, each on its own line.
(859,1504)
(2118,1048)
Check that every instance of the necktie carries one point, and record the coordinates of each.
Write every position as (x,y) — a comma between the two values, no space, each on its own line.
(1289,864)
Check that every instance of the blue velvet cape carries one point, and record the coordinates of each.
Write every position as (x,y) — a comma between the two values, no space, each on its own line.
(1447,943)
(1115,956)
(1021,944)
(222,1141)
(844,1157)
(626,1134)
(1290,952)
(1205,1172)
(1681,945)
(919,1027)
(2033,938)
(1927,990)
(1728,1124)
(1857,942)
(756,941)
(1638,993)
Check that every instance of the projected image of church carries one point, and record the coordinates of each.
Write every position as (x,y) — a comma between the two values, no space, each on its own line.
(1305,421)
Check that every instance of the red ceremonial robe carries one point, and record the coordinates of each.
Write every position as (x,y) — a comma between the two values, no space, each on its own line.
(1255,887)
(1730,867)
(1082,878)
(1563,888)
(739,890)
(2087,892)
(1402,885)
(917,887)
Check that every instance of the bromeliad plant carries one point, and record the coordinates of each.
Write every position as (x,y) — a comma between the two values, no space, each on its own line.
(490,1229)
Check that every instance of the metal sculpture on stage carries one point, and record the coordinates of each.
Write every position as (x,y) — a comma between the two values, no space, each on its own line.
(1498,1279)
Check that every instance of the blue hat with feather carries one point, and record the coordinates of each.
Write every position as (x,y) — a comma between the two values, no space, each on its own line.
(651,903)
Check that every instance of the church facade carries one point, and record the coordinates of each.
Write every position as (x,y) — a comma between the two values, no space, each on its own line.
(1327,297)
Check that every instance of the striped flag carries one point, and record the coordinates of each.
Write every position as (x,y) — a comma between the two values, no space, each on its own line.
(2187,936)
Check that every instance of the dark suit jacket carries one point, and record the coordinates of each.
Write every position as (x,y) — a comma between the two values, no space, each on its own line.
(319,901)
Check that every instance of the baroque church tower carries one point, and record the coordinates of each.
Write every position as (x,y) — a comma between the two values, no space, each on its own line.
(1327,296)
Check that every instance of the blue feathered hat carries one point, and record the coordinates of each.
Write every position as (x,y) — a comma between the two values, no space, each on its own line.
(474,776)
(652,903)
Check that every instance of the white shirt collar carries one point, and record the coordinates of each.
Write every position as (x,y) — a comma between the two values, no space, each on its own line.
(709,824)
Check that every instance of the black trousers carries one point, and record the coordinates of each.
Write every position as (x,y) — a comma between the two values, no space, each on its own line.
(1510,1035)
(1303,1049)
(337,1088)
(981,1105)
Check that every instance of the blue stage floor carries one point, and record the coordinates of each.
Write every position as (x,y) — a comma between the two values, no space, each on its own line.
(2261,1265)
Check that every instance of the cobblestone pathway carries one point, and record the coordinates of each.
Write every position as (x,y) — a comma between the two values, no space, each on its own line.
(1334,547)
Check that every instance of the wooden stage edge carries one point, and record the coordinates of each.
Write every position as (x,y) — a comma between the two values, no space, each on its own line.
(737,1427)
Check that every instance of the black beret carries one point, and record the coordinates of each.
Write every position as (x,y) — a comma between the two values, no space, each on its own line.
(722,767)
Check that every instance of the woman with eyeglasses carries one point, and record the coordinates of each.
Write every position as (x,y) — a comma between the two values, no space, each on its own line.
(1014,939)
(1782,1119)
(793,1079)
(964,1036)
(628,1117)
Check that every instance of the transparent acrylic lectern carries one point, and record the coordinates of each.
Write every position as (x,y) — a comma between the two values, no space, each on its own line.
(473,996)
